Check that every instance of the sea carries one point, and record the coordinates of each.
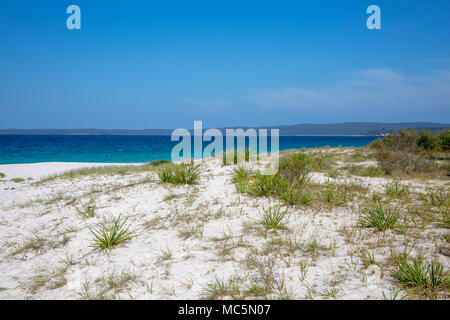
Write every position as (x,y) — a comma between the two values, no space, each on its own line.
(130,148)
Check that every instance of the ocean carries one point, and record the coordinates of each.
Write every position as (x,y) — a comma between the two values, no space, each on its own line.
(129,148)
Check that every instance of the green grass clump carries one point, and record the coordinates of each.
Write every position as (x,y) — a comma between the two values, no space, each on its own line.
(86,211)
(380,217)
(271,218)
(297,169)
(291,195)
(419,274)
(17,180)
(395,189)
(180,174)
(263,186)
(2,175)
(112,232)
(288,184)
(241,178)
(364,171)
(436,198)
(334,194)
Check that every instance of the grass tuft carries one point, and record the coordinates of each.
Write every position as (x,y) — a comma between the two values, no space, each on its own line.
(86,211)
(419,274)
(380,217)
(180,174)
(395,189)
(112,232)
(272,217)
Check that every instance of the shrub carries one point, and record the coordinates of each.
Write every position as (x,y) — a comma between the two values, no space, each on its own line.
(380,217)
(407,151)
(428,141)
(402,162)
(444,139)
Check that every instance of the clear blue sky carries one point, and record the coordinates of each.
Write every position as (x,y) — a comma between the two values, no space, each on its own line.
(164,64)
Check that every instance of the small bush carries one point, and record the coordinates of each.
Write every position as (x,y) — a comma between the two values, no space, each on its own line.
(428,141)
(272,217)
(402,162)
(112,232)
(406,151)
(444,139)
(380,217)
(17,180)
(2,175)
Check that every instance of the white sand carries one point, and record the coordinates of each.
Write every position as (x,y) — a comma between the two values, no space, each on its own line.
(218,249)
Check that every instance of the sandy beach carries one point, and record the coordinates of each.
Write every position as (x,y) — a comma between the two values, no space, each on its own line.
(190,239)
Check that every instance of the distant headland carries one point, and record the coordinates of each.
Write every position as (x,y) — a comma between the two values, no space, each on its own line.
(307,129)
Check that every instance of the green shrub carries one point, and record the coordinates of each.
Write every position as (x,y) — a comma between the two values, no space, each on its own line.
(401,162)
(444,139)
(428,141)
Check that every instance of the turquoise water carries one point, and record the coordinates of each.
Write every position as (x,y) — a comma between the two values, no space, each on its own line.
(128,148)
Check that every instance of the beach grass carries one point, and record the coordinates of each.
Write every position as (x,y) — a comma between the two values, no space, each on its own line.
(380,217)
(179,173)
(109,170)
(112,232)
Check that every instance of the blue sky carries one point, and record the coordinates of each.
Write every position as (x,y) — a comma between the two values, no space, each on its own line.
(164,64)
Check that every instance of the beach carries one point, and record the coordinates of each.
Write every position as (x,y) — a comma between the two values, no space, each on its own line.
(192,240)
